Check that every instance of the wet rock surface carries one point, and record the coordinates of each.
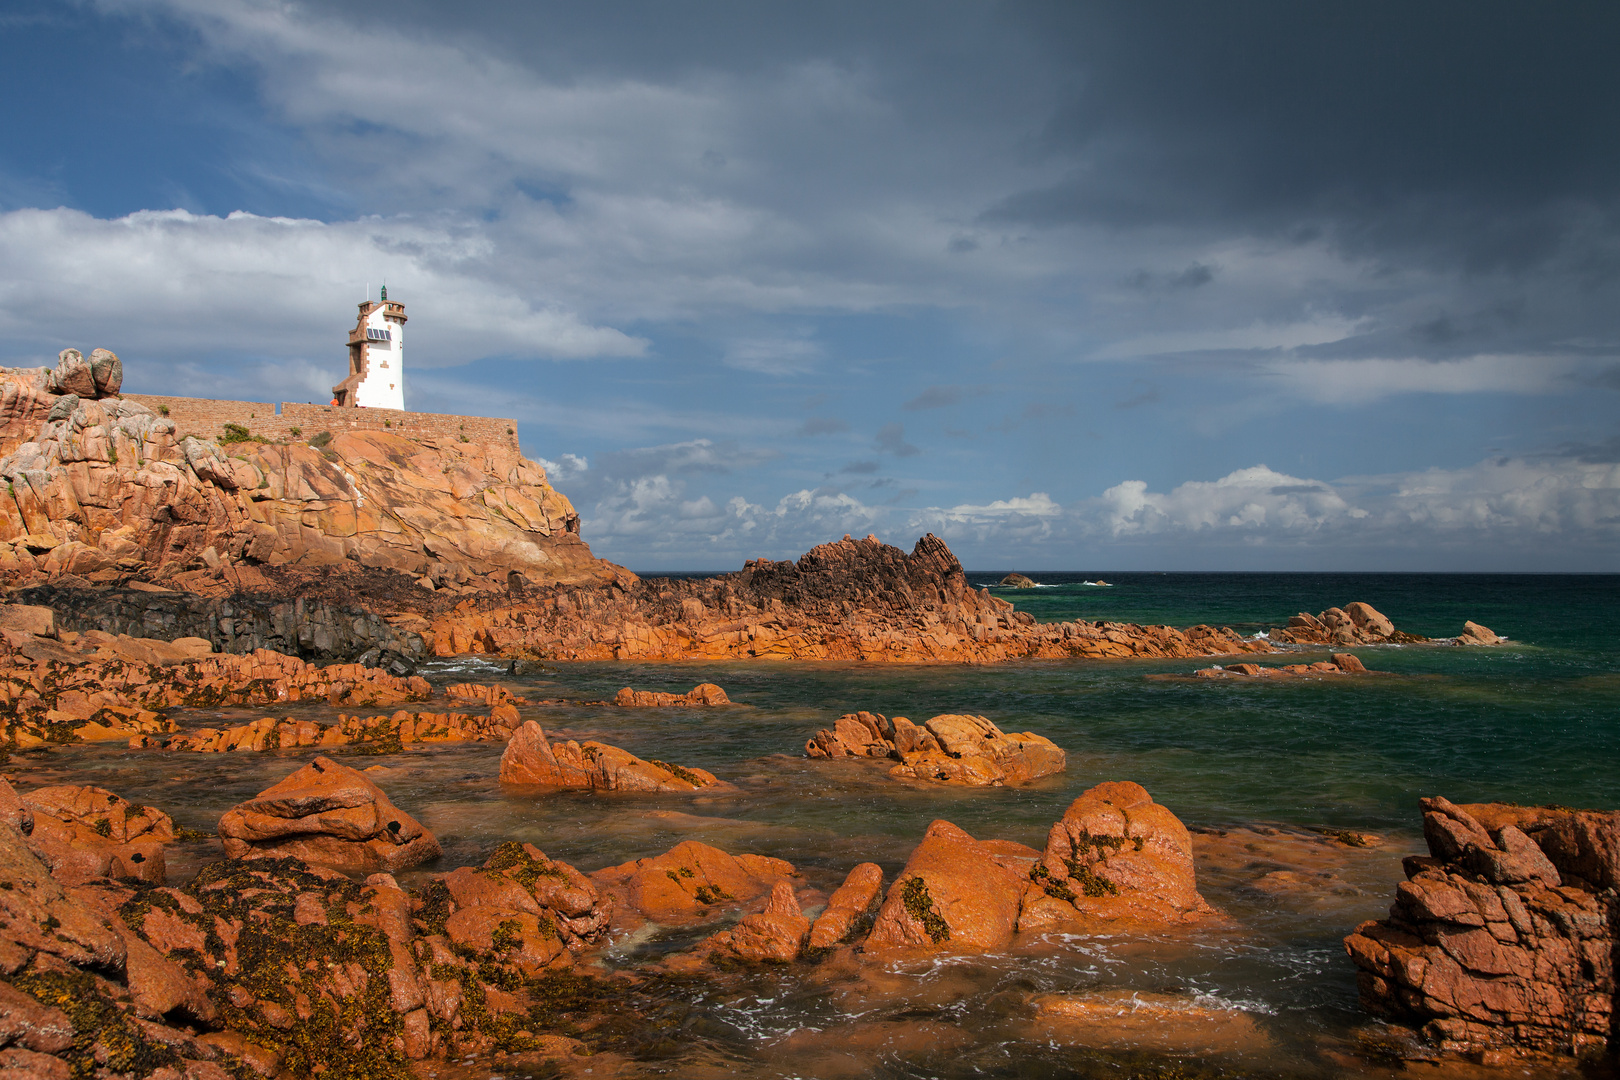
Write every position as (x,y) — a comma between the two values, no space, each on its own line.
(1115,855)
(1504,935)
(1339,664)
(532,760)
(947,749)
(701,696)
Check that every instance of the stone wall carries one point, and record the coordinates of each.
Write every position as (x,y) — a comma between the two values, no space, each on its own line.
(206,418)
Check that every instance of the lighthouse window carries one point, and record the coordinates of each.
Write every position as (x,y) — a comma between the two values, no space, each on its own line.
(378,335)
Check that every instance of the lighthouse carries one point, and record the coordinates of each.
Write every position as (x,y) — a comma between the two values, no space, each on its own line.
(376,358)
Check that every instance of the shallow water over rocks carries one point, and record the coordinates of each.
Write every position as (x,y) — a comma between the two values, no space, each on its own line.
(1301,797)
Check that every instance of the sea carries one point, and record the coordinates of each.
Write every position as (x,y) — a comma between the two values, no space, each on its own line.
(1270,776)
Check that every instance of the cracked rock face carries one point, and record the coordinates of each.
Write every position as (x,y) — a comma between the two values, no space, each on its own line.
(1504,935)
(104,489)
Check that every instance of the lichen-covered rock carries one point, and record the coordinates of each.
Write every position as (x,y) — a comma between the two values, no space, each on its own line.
(329,815)
(531,760)
(1504,935)
(689,883)
(1114,855)
(534,912)
(955,893)
(948,749)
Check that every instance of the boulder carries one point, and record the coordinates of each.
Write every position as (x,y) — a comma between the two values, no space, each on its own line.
(107,372)
(1504,936)
(850,904)
(329,815)
(1115,855)
(38,917)
(955,893)
(72,375)
(531,760)
(1017,581)
(1475,634)
(690,882)
(1369,620)
(948,749)
(775,935)
(701,695)
(28,619)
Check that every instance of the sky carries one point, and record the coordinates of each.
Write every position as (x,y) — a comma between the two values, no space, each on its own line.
(1083,286)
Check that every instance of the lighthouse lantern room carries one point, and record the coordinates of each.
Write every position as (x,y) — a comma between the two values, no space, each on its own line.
(376,358)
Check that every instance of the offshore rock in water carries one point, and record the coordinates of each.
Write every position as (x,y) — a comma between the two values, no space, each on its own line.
(531,760)
(1145,1021)
(1115,855)
(1353,624)
(1505,935)
(702,695)
(853,903)
(1340,664)
(948,749)
(329,815)
(1017,581)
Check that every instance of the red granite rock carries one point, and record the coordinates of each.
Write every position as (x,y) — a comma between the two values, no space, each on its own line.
(1504,935)
(532,760)
(1115,855)
(330,815)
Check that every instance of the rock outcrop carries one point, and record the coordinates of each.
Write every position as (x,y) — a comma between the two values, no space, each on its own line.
(105,490)
(93,687)
(1353,624)
(379,734)
(775,935)
(948,749)
(700,696)
(1017,581)
(691,882)
(1340,664)
(329,815)
(849,600)
(1505,935)
(82,833)
(1115,856)
(538,911)
(276,967)
(851,909)
(1475,634)
(955,893)
(531,760)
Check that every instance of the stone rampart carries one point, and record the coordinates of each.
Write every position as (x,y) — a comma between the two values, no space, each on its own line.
(206,418)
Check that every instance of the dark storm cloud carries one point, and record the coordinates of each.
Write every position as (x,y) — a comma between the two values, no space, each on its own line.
(1487,131)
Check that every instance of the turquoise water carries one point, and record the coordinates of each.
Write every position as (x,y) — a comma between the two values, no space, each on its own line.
(1269,764)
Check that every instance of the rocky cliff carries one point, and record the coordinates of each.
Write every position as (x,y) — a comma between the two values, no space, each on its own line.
(105,490)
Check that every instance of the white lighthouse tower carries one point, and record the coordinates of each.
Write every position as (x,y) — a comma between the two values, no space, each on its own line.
(376,358)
